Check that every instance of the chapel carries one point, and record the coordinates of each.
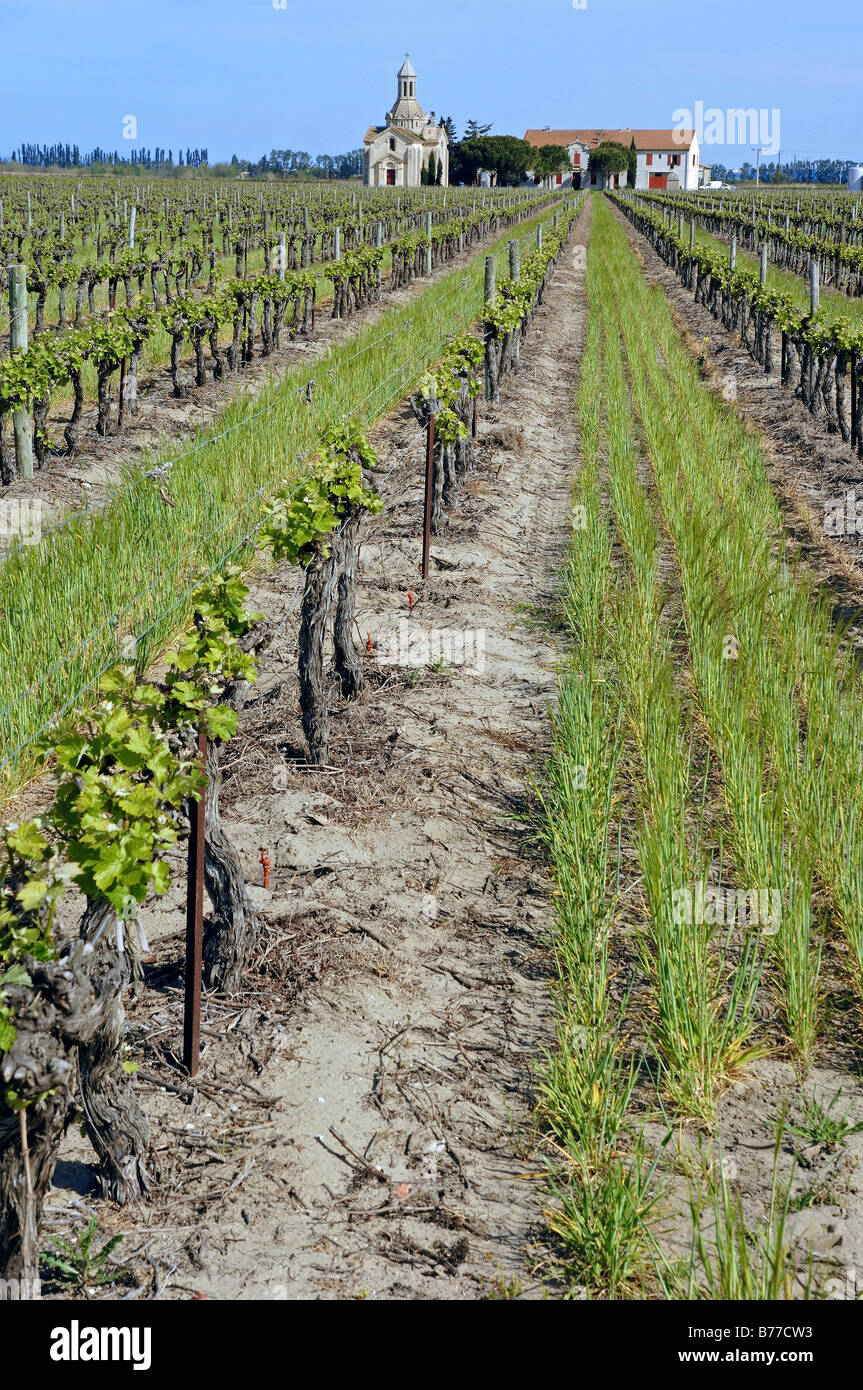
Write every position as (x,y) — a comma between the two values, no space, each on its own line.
(396,153)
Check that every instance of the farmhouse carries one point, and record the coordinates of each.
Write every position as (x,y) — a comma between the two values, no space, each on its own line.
(666,158)
(397,152)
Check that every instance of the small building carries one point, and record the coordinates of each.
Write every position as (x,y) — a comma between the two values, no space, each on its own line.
(665,158)
(396,153)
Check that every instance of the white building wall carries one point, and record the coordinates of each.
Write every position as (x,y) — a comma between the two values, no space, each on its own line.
(662,162)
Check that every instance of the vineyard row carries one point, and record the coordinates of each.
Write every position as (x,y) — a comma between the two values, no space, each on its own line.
(127,773)
(821,363)
(255,310)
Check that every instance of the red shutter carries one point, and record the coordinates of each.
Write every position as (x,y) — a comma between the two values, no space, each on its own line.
(650,159)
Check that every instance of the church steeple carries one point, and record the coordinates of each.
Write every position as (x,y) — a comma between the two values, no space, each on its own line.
(407,113)
(407,79)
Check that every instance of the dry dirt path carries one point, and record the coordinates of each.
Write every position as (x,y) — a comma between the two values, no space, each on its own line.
(359,1125)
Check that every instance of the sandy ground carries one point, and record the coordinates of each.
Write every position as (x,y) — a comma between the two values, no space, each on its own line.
(361,1123)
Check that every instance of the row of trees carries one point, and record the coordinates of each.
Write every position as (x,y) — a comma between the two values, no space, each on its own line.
(610,158)
(791,171)
(505,156)
(432,173)
(299,162)
(281,163)
(70,157)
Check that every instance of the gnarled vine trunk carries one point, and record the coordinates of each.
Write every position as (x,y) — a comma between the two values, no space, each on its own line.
(40,428)
(179,389)
(59,1010)
(116,1125)
(347,659)
(103,414)
(232,933)
(7,452)
(317,601)
(70,433)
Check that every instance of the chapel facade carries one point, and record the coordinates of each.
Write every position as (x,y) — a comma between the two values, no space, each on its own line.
(396,153)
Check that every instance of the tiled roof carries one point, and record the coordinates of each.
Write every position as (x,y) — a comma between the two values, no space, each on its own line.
(644,139)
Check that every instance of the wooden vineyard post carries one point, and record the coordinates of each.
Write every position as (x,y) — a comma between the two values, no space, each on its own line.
(194,926)
(762,267)
(308,248)
(515,276)
(18,343)
(429,246)
(814,305)
(427,509)
(814,288)
(853,400)
(488,295)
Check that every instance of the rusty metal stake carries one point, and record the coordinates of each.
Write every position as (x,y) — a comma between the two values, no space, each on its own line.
(195,926)
(427,513)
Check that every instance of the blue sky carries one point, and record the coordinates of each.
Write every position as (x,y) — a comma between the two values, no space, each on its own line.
(240,76)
